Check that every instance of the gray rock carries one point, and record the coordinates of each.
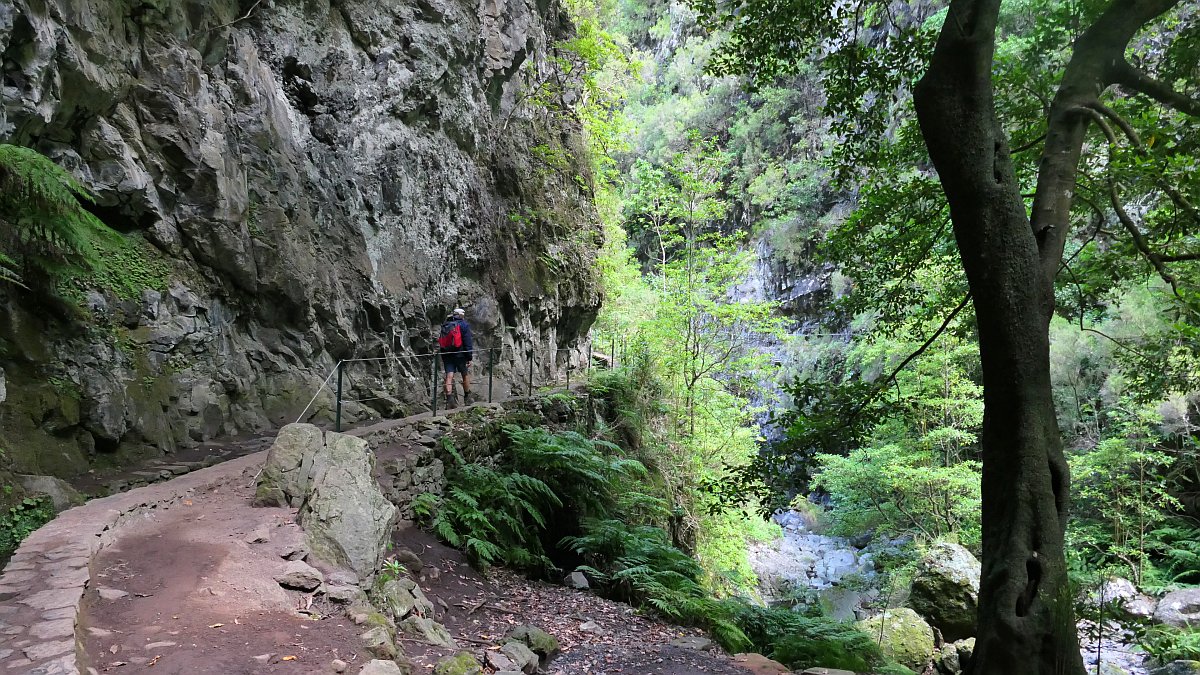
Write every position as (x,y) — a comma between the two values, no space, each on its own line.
(945,591)
(286,476)
(400,597)
(593,628)
(343,594)
(522,656)
(905,637)
(429,630)
(346,519)
(325,173)
(576,580)
(380,667)
(111,593)
(1179,608)
(338,665)
(498,661)
(379,641)
(542,643)
(1122,600)
(300,576)
(1178,668)
(62,495)
(692,642)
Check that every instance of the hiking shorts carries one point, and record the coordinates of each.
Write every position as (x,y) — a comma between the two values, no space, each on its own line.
(456,362)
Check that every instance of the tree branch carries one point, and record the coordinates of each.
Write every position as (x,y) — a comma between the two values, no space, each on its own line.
(1126,75)
(1139,239)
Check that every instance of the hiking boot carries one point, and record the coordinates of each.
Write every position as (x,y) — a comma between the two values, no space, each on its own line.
(469,398)
(452,400)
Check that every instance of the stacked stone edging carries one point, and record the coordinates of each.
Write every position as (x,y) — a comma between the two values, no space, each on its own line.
(42,586)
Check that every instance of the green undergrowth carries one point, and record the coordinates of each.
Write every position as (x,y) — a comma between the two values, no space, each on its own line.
(499,512)
(20,520)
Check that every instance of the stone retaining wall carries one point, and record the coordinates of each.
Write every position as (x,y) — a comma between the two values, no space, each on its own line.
(43,584)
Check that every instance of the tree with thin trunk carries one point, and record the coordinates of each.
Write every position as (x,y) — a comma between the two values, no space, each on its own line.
(1012,222)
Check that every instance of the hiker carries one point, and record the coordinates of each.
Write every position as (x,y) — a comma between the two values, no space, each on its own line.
(457,349)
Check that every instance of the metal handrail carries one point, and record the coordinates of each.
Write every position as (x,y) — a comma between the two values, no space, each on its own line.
(340,367)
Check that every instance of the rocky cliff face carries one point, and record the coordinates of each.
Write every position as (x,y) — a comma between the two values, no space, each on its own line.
(301,181)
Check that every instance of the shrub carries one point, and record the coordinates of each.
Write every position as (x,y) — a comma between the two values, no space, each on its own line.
(638,565)
(500,514)
(21,520)
(800,641)
(1165,644)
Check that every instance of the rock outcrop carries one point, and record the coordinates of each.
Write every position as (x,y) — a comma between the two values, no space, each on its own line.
(945,591)
(1179,608)
(346,519)
(300,183)
(903,636)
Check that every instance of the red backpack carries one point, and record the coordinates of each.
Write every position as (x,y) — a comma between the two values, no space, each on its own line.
(451,335)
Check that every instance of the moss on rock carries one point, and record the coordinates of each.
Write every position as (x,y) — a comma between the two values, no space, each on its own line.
(461,663)
(905,637)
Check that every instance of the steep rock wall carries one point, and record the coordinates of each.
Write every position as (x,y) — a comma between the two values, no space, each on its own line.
(301,181)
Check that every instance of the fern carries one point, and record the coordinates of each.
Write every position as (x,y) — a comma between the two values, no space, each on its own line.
(640,566)
(46,230)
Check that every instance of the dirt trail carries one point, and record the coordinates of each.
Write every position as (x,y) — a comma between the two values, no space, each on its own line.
(184,591)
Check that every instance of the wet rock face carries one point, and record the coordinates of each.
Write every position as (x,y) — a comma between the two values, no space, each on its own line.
(313,182)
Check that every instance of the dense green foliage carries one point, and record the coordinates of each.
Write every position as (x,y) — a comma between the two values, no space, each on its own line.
(501,513)
(21,520)
(46,231)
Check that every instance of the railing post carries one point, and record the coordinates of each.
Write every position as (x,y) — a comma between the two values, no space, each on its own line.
(433,377)
(568,371)
(337,418)
(531,372)
(491,360)
(612,354)
(588,368)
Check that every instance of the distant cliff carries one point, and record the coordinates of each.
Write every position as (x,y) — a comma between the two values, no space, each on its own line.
(300,182)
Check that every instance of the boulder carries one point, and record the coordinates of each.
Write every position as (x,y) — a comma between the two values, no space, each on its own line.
(692,642)
(287,473)
(344,595)
(62,495)
(380,642)
(400,597)
(1124,599)
(904,636)
(542,643)
(379,667)
(1179,608)
(429,630)
(461,663)
(577,581)
(522,656)
(346,518)
(760,665)
(499,662)
(300,576)
(945,590)
(1178,668)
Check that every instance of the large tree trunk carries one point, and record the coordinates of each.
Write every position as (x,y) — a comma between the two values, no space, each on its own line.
(1026,621)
